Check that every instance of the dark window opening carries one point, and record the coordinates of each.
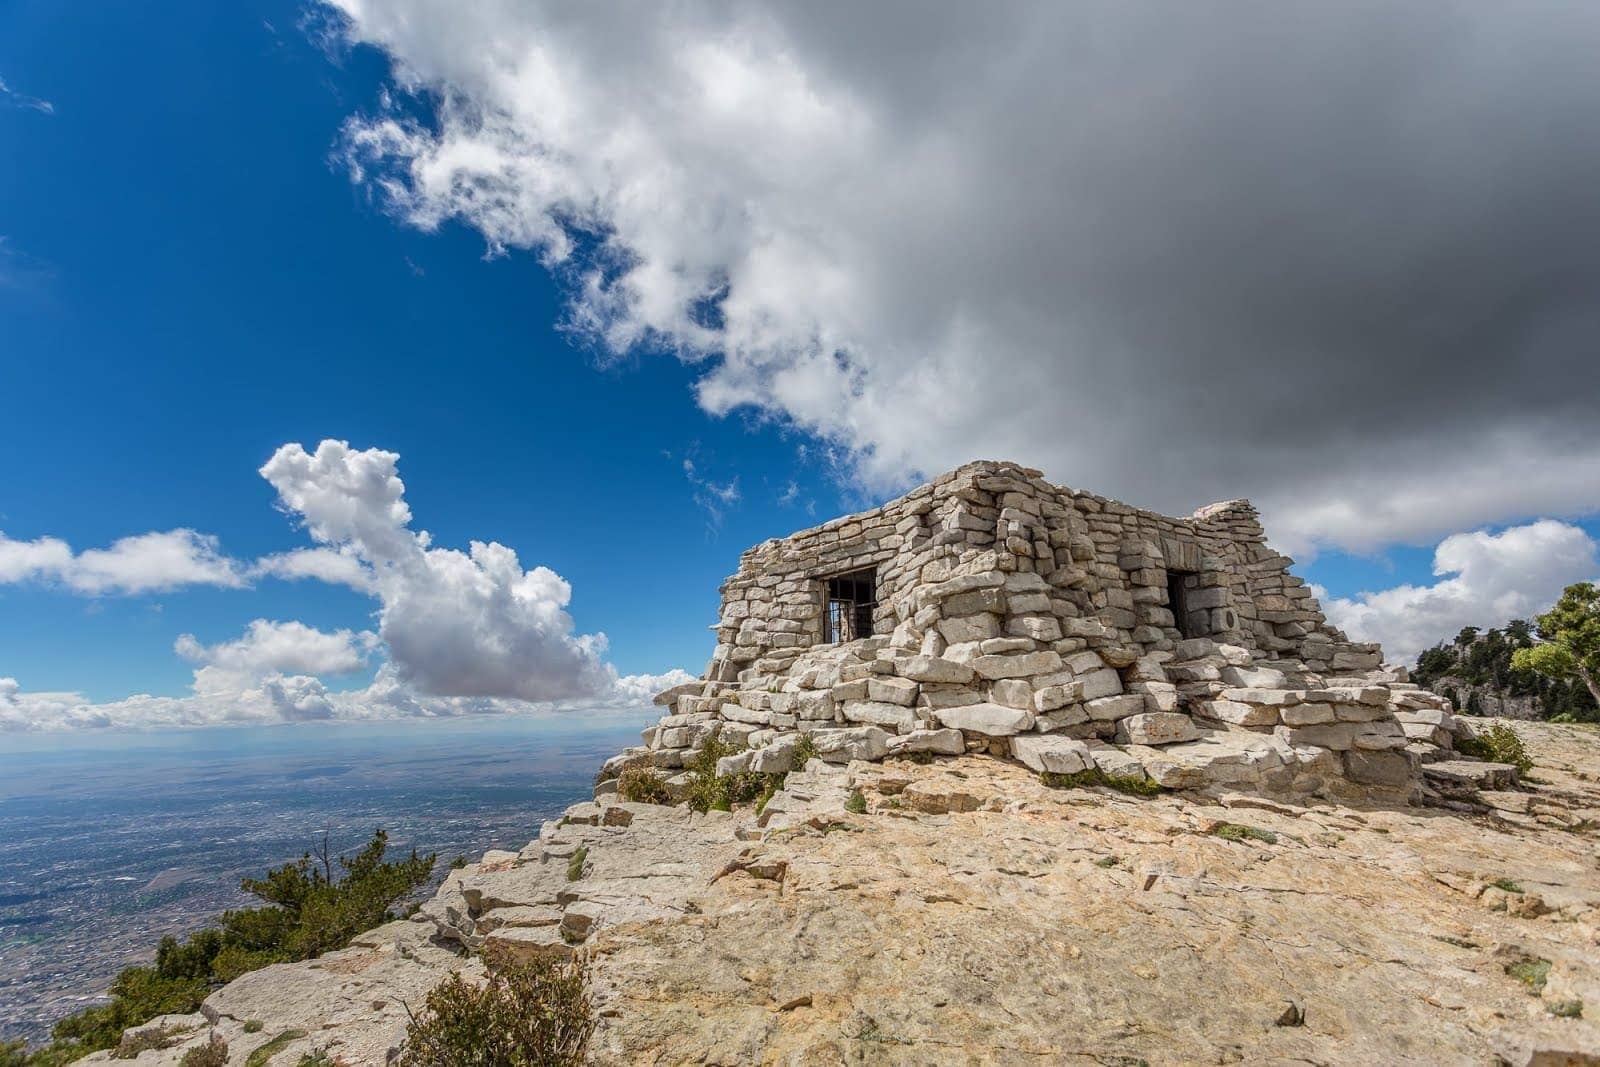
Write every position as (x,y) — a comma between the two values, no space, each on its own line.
(1178,602)
(852,598)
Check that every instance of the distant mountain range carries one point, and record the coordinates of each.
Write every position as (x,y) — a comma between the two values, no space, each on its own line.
(1474,671)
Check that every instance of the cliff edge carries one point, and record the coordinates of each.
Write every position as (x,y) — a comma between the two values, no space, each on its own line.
(970,913)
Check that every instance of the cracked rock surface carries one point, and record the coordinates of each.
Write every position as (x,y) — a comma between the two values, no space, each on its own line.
(974,915)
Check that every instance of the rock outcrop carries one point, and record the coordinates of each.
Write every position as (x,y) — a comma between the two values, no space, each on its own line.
(956,909)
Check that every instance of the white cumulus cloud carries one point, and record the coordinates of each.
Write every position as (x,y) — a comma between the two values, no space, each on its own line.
(1129,244)
(281,647)
(144,563)
(456,624)
(1485,579)
(231,699)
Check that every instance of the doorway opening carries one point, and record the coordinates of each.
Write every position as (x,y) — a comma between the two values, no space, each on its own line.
(1178,585)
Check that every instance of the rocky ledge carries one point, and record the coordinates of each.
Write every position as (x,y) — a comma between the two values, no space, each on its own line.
(959,910)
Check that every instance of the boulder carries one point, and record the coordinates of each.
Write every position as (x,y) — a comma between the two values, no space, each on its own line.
(1156,728)
(993,720)
(1047,752)
(842,746)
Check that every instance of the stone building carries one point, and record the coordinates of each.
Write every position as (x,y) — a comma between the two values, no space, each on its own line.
(991,610)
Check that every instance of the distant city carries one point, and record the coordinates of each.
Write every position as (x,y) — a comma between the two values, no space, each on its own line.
(109,842)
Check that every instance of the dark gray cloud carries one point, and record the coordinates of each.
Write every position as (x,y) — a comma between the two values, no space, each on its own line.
(1341,258)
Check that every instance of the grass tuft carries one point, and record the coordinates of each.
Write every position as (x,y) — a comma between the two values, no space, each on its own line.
(575,864)
(1531,973)
(1233,831)
(259,1057)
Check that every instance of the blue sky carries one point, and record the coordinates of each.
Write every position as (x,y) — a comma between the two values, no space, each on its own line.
(161,343)
(190,279)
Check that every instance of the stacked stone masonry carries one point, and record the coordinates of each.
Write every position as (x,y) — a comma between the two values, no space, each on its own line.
(1037,622)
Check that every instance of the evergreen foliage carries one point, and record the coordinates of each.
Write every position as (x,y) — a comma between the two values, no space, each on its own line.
(1508,662)
(309,909)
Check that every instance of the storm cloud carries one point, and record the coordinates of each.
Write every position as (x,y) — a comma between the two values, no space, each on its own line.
(1342,259)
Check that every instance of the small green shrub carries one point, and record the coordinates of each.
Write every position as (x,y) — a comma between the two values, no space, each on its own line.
(1233,831)
(805,752)
(531,1013)
(314,905)
(133,1043)
(1565,1009)
(1531,973)
(856,804)
(253,1026)
(1507,884)
(1093,776)
(1075,780)
(710,792)
(641,785)
(1106,861)
(260,1056)
(1498,744)
(214,1053)
(575,864)
(316,1058)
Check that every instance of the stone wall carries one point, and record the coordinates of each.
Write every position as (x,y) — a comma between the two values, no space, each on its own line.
(1037,622)
(1101,560)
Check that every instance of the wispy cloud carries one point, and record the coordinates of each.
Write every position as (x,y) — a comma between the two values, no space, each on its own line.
(31,103)
(713,497)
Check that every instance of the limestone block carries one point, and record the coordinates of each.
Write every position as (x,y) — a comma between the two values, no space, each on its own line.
(1061,718)
(935,669)
(1028,603)
(992,720)
(1241,714)
(1375,736)
(1101,683)
(1051,697)
(991,601)
(1004,646)
(971,628)
(1156,728)
(939,742)
(896,717)
(1017,666)
(1116,762)
(1037,627)
(1159,696)
(1308,714)
(1360,712)
(1013,693)
(891,690)
(816,706)
(1338,736)
(1112,708)
(1085,662)
(737,763)
(1045,752)
(1254,677)
(842,746)
(1195,648)
(1392,769)
(1275,698)
(740,713)
(856,689)
(777,757)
